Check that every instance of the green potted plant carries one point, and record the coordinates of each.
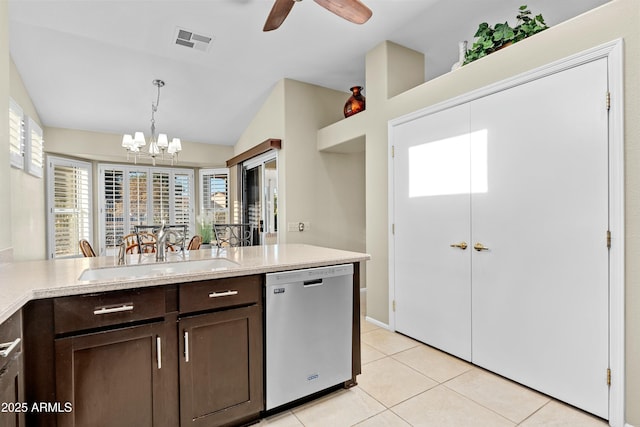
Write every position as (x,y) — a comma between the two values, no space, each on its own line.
(205,227)
(489,39)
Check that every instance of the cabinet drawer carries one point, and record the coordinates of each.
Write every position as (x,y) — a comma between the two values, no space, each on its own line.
(220,293)
(110,308)
(10,338)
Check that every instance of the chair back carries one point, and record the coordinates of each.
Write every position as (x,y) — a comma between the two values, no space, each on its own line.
(139,243)
(86,248)
(233,235)
(194,243)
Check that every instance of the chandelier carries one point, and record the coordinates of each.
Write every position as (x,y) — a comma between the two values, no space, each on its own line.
(158,147)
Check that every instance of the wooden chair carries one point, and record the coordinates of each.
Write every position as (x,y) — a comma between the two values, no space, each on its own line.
(139,243)
(86,248)
(194,243)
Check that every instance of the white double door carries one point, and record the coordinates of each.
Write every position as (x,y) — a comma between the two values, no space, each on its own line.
(523,172)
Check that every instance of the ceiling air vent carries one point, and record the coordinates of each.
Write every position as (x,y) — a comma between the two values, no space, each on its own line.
(192,40)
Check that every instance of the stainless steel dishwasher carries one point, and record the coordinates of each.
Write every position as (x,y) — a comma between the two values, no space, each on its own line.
(308,332)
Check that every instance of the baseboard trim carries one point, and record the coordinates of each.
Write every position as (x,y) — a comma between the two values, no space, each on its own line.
(377,323)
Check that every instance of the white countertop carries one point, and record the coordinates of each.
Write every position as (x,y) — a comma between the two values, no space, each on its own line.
(21,282)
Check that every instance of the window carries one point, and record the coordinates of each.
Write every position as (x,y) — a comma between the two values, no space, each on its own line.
(137,195)
(68,206)
(26,142)
(16,135)
(214,194)
(34,148)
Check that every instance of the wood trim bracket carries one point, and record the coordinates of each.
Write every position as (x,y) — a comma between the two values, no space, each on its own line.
(263,147)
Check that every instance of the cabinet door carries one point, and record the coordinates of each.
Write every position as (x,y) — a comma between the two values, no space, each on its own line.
(432,185)
(221,368)
(12,413)
(123,377)
(540,292)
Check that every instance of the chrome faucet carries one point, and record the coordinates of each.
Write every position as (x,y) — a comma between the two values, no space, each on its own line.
(161,243)
(121,252)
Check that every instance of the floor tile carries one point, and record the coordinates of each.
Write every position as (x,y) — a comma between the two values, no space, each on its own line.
(507,398)
(390,382)
(342,408)
(368,354)
(367,326)
(433,363)
(384,419)
(441,407)
(284,419)
(556,414)
(388,342)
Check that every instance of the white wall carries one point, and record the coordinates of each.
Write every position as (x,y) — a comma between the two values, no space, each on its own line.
(617,19)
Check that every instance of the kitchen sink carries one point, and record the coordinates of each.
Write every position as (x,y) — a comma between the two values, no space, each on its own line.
(156,269)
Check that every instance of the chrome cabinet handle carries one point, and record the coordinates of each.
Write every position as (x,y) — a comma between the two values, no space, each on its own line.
(8,347)
(118,309)
(186,346)
(461,245)
(480,247)
(159,352)
(222,294)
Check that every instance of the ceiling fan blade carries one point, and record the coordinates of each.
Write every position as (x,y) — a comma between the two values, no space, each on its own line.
(351,10)
(279,12)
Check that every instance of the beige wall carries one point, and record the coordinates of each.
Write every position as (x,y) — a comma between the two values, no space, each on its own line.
(28,216)
(618,19)
(267,123)
(106,147)
(5,175)
(323,189)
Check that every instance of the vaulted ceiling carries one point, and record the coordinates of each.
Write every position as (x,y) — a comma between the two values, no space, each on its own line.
(89,64)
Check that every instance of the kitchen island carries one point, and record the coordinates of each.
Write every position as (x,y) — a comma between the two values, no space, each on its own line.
(151,334)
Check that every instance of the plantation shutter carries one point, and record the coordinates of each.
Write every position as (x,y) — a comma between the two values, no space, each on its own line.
(69,200)
(112,212)
(137,195)
(34,152)
(215,194)
(138,200)
(160,198)
(16,135)
(183,199)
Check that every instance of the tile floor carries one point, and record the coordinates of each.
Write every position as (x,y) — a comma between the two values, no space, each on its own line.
(406,383)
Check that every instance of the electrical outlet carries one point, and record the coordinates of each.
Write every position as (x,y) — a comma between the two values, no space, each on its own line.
(299,226)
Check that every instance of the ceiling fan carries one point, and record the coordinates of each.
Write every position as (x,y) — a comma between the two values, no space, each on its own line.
(351,10)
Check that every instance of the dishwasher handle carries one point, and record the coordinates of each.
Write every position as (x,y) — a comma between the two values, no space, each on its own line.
(311,283)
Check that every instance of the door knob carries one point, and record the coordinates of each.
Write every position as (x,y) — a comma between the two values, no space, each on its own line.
(461,245)
(480,247)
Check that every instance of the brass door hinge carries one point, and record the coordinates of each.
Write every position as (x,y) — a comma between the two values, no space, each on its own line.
(609,239)
(393,306)
(608,376)
(393,229)
(608,101)
(393,151)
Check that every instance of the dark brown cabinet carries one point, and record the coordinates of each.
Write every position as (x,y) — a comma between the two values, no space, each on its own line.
(221,356)
(189,354)
(115,360)
(116,378)
(12,402)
